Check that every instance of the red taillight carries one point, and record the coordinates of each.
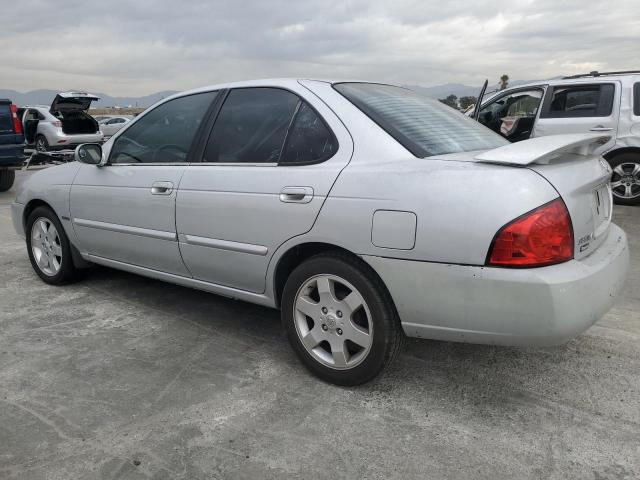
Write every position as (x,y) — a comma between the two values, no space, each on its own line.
(17,124)
(543,236)
(56,124)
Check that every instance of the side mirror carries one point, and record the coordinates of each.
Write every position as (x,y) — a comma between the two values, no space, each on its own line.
(89,153)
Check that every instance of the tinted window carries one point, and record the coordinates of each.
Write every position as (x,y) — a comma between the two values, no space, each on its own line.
(251,126)
(636,99)
(423,126)
(6,122)
(115,120)
(579,101)
(309,139)
(164,134)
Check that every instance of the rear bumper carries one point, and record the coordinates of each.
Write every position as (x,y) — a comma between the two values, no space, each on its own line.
(62,141)
(12,155)
(538,306)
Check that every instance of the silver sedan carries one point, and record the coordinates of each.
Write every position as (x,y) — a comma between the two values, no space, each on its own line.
(365,212)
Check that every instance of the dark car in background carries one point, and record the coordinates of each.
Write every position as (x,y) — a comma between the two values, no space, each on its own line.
(11,144)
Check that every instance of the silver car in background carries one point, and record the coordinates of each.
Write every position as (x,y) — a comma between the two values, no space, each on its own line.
(365,212)
(65,124)
(110,125)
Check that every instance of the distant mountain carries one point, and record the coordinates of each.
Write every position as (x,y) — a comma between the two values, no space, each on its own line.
(459,90)
(45,97)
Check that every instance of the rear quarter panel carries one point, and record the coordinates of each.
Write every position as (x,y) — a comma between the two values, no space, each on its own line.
(459,206)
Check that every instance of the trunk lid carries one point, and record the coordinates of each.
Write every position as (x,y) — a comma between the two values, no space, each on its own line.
(69,101)
(579,176)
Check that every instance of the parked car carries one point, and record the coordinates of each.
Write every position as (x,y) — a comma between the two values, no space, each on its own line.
(111,125)
(363,211)
(11,144)
(604,103)
(65,124)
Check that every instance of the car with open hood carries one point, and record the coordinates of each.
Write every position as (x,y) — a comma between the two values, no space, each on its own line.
(65,124)
(364,212)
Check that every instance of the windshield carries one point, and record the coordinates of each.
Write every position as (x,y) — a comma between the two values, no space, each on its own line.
(423,126)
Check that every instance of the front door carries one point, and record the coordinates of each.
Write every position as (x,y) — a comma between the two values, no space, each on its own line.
(269,163)
(125,210)
(512,114)
(580,108)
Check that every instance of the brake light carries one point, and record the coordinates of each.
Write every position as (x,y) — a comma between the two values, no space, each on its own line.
(17,124)
(543,236)
(57,124)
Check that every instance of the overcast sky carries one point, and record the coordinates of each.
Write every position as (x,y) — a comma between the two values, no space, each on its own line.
(143,46)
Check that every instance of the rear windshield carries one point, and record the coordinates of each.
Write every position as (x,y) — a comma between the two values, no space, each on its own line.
(6,124)
(423,126)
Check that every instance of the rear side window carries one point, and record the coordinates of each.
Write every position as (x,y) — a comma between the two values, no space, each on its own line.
(165,134)
(6,122)
(636,99)
(570,101)
(423,126)
(251,126)
(309,139)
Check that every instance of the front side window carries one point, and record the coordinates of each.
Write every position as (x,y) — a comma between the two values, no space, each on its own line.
(423,126)
(251,126)
(568,101)
(309,139)
(165,134)
(512,115)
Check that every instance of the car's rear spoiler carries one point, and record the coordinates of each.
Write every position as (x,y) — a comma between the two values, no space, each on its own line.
(542,150)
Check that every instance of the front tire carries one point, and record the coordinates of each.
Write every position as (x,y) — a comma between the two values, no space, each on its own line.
(625,180)
(7,177)
(340,319)
(42,145)
(49,248)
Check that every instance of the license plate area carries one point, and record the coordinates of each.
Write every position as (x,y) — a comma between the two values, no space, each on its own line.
(602,203)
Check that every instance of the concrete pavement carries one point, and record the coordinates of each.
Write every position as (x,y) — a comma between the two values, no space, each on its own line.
(122,377)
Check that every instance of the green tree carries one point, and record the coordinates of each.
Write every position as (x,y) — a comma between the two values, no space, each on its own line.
(504,81)
(466,102)
(451,100)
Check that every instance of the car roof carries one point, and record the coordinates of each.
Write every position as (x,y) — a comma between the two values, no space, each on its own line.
(587,79)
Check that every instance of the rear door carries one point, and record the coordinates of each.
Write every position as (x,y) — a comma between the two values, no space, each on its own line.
(580,108)
(125,211)
(267,167)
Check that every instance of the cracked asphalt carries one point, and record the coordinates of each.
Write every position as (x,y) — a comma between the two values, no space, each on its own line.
(123,377)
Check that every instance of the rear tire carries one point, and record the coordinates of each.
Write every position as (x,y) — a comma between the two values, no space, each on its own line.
(625,181)
(42,145)
(7,177)
(49,248)
(340,319)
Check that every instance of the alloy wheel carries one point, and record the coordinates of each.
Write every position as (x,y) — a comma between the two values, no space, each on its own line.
(46,246)
(333,321)
(625,181)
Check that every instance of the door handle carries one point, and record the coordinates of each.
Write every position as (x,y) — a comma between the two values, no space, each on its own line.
(296,194)
(161,188)
(600,128)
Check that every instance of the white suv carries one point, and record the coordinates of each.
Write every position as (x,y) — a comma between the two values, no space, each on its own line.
(608,103)
(65,124)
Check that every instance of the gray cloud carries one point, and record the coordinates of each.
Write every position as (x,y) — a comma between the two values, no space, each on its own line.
(131,48)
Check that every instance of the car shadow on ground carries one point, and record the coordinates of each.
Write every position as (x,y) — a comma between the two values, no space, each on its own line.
(476,374)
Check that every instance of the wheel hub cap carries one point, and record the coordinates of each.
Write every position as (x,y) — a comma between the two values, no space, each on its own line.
(333,322)
(46,246)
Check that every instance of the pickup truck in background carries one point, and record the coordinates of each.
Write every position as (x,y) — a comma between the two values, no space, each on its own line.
(11,144)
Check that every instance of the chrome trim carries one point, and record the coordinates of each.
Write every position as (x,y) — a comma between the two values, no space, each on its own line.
(113,227)
(224,245)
